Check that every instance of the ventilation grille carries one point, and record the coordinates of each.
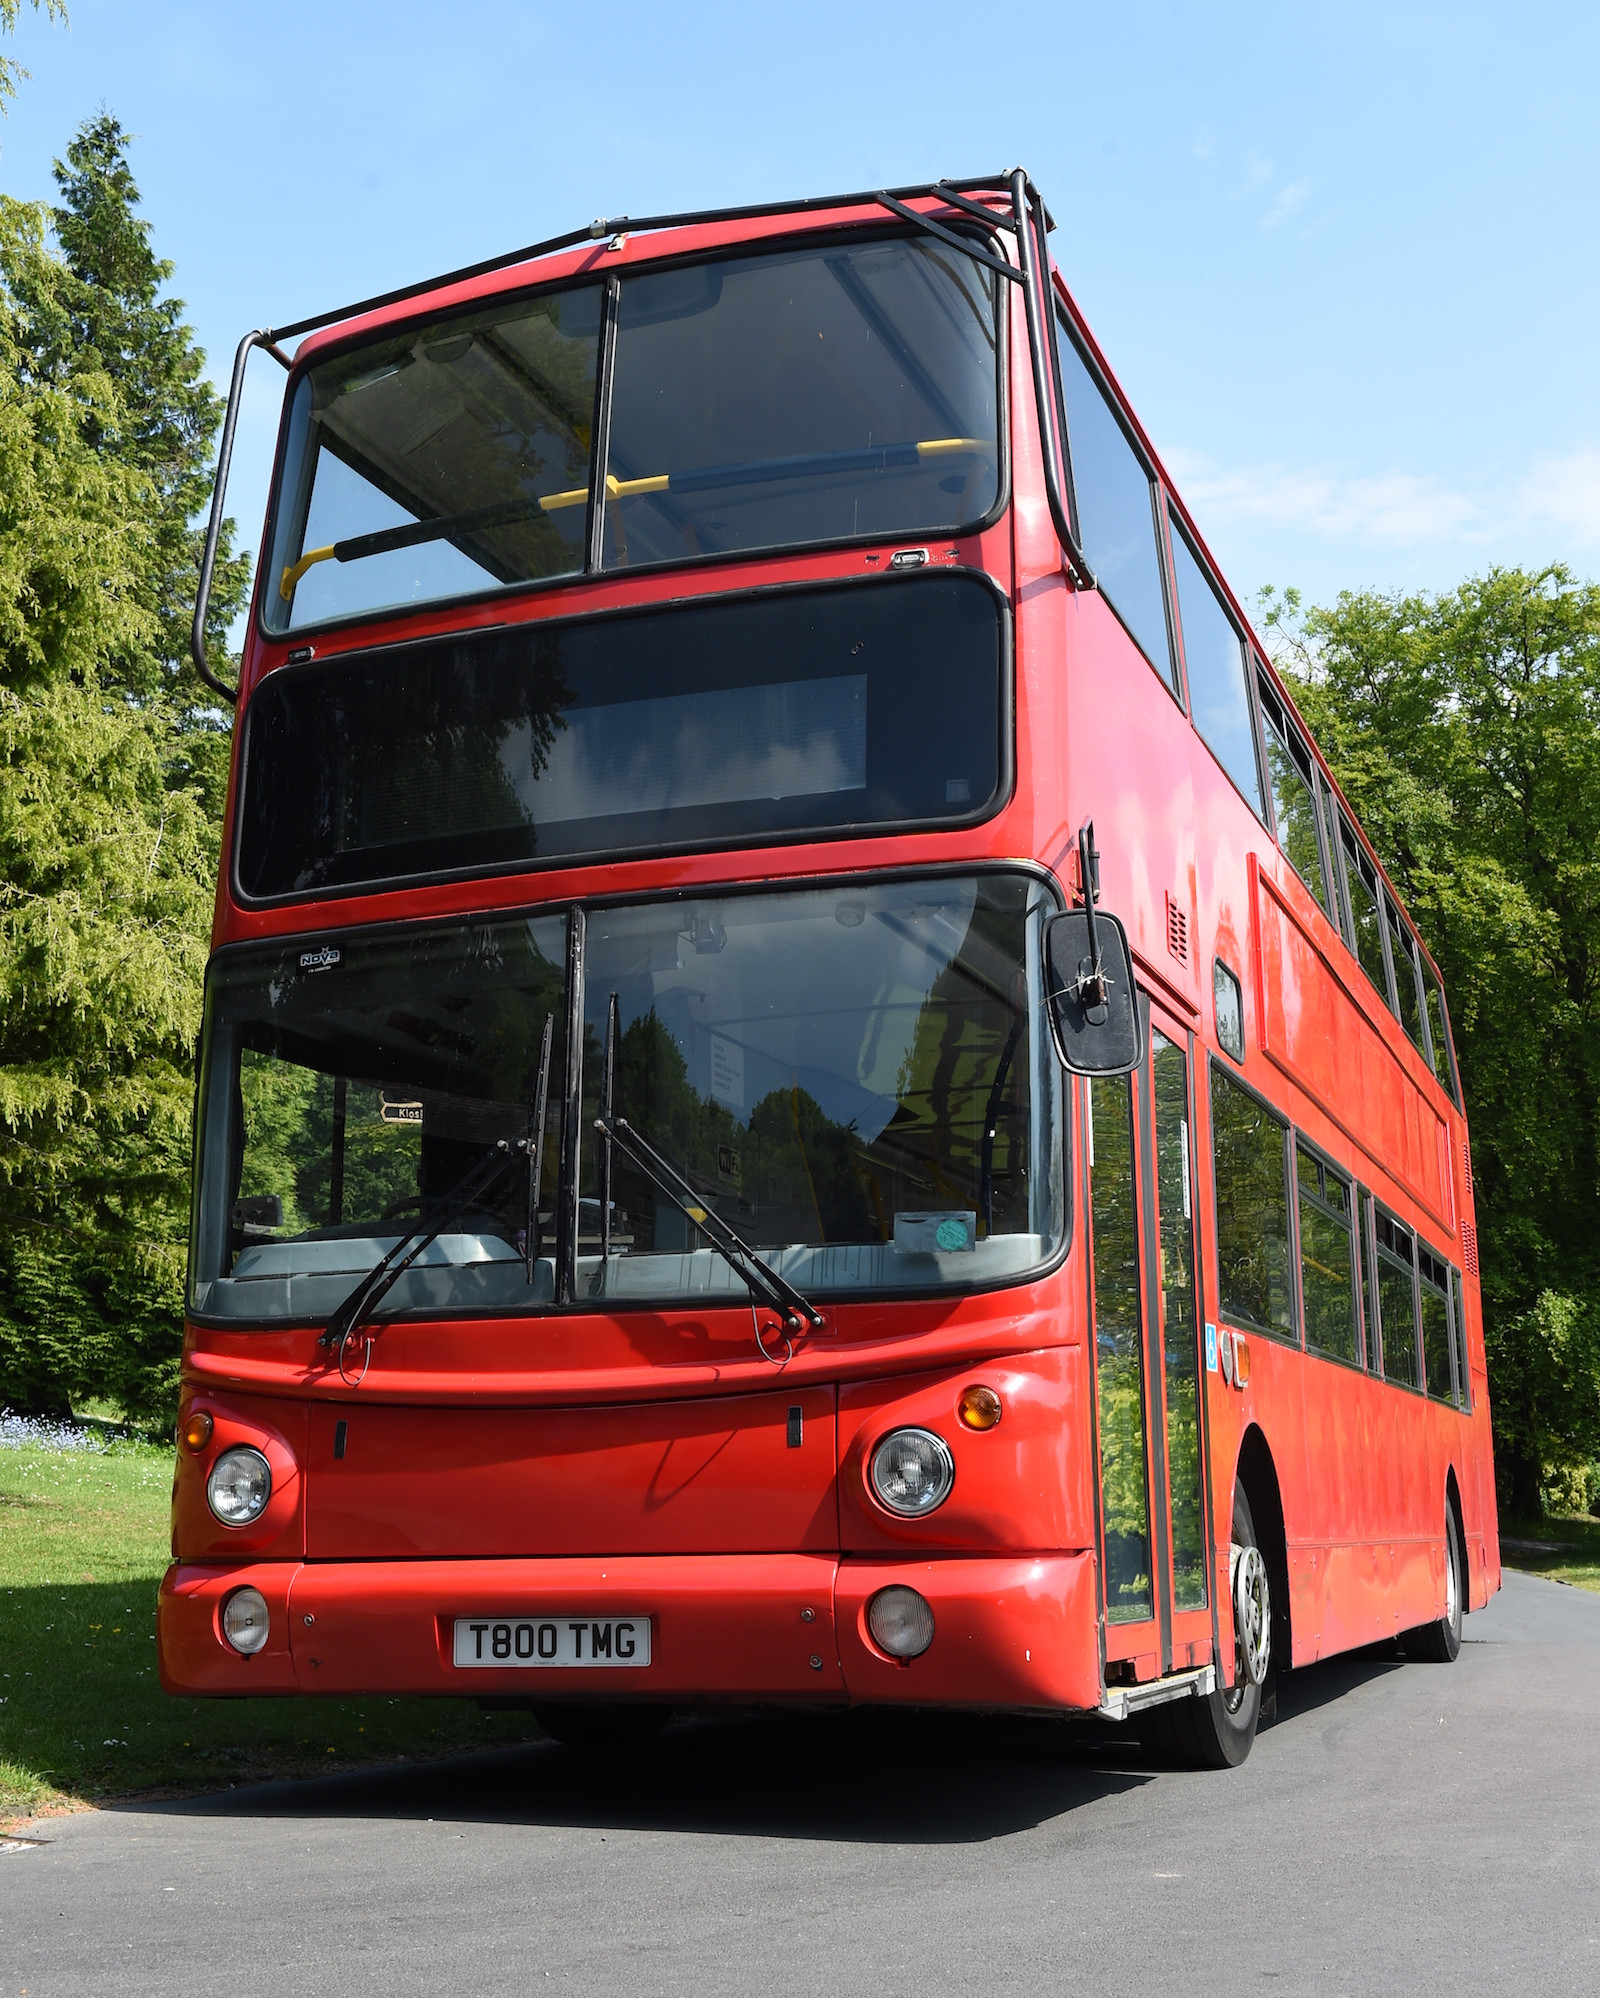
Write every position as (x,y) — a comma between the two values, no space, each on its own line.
(1177,932)
(1469,1247)
(1466,1159)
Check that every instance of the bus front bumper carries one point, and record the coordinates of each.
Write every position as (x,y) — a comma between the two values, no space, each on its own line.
(1013,1631)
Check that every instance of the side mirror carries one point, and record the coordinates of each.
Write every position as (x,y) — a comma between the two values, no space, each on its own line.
(1094,1013)
(1088,969)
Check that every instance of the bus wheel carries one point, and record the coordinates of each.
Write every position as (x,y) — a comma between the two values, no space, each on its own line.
(1438,1643)
(1216,1732)
(602,1729)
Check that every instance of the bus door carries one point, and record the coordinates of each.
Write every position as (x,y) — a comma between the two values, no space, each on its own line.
(1143,1216)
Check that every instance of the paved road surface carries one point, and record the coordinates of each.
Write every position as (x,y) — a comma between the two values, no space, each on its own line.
(1403,1828)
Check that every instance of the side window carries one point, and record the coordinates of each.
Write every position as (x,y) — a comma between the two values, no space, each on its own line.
(1369,1295)
(1119,1364)
(1327,1258)
(1433,1291)
(1330,830)
(1115,507)
(1294,797)
(1366,919)
(1458,1335)
(1256,1277)
(1404,959)
(1213,657)
(1444,1063)
(1397,1304)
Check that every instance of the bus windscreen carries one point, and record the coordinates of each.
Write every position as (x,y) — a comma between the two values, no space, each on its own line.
(792,713)
(852,1077)
(840,391)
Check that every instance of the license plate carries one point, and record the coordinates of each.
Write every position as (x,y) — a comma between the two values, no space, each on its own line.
(552,1640)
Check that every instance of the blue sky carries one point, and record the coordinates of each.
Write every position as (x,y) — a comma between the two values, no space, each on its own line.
(1342,256)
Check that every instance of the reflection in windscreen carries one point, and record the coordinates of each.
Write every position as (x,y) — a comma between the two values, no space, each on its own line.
(819,394)
(850,1077)
(343,1102)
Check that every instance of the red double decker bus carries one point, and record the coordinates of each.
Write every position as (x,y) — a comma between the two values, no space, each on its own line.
(809,1093)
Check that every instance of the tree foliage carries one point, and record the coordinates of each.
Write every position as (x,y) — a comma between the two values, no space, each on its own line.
(111,792)
(1465,729)
(11,72)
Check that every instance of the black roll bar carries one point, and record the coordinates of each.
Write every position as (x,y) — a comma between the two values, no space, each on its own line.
(219,494)
(1028,213)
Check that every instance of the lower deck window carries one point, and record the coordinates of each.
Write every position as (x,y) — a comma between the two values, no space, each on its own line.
(1397,1308)
(1327,1258)
(1253,1261)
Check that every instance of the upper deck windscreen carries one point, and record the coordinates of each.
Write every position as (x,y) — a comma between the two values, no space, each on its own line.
(838,391)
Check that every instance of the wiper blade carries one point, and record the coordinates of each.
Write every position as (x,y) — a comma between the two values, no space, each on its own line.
(376,1285)
(761,1278)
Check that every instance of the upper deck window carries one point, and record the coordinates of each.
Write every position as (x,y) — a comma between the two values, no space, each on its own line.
(1213,658)
(843,390)
(1294,798)
(1114,501)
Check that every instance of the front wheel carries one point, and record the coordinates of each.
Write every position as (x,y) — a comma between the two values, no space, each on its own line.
(1217,1731)
(1438,1643)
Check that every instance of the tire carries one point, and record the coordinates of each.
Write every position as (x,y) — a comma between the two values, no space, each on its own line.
(1439,1643)
(1217,1731)
(602,1729)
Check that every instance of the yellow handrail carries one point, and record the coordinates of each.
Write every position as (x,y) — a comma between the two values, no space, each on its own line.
(935,447)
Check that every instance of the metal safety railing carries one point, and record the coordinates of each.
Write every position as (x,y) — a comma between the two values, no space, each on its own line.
(1028,222)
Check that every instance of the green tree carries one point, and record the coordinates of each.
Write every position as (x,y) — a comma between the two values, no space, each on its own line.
(110,796)
(11,71)
(1465,729)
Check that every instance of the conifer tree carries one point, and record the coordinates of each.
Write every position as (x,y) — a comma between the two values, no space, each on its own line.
(111,771)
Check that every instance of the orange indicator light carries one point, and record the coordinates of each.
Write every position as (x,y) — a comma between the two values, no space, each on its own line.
(979,1408)
(1241,1360)
(196,1431)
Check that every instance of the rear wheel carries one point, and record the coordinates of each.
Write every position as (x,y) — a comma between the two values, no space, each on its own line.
(1216,1731)
(602,1729)
(1438,1643)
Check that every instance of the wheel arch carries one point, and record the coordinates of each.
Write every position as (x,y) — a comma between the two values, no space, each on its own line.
(1258,1474)
(1452,1498)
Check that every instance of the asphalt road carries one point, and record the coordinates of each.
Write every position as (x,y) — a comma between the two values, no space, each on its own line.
(1402,1828)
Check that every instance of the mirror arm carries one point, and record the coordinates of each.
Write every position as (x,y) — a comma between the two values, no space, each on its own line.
(1092,987)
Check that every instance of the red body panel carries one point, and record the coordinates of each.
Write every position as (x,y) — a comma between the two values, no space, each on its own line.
(639,1463)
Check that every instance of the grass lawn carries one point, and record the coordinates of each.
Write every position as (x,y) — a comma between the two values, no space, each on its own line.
(83,1544)
(1561,1549)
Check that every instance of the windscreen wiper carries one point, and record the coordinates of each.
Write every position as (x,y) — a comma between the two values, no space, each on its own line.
(375,1286)
(774,1290)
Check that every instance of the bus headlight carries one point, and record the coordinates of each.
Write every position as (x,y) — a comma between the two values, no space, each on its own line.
(244,1620)
(912,1472)
(901,1622)
(239,1486)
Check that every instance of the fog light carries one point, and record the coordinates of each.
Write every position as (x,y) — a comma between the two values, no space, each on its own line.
(244,1620)
(901,1622)
(979,1408)
(912,1471)
(196,1431)
(239,1486)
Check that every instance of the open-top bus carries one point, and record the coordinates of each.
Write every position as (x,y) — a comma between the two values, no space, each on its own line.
(809,1093)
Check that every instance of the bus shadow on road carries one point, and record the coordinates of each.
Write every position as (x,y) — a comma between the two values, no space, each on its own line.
(861,1776)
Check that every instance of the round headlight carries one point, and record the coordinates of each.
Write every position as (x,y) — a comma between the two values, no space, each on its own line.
(244,1620)
(912,1471)
(239,1485)
(901,1622)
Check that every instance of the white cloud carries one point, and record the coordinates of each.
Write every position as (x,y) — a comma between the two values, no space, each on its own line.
(1563,495)
(1555,503)
(1294,196)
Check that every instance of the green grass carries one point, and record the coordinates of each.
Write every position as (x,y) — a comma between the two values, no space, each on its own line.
(1568,1548)
(83,1544)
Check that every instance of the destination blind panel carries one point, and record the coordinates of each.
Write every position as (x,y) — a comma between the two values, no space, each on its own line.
(794,713)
